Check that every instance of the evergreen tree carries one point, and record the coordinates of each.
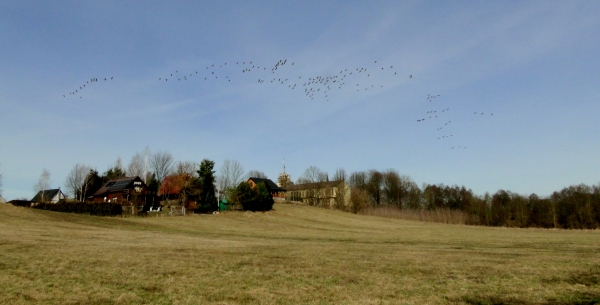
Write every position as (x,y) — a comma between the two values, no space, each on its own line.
(253,199)
(153,184)
(94,181)
(246,196)
(264,198)
(207,201)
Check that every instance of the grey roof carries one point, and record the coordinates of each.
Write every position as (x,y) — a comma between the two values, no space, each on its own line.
(48,195)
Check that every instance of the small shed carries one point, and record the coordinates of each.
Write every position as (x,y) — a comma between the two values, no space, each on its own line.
(223,204)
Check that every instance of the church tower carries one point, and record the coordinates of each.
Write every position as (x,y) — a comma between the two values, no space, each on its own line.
(284,179)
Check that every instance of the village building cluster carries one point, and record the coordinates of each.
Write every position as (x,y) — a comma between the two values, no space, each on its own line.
(134,195)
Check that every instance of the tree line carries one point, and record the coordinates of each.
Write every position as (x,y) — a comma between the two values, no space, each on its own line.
(574,207)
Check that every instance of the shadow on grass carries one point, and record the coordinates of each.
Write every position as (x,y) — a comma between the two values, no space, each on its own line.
(587,278)
(570,299)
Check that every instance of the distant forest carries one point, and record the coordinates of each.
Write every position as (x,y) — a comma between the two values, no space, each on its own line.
(574,207)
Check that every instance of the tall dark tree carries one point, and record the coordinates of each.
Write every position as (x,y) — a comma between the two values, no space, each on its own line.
(265,200)
(574,207)
(153,183)
(206,178)
(374,186)
(392,189)
(500,208)
(94,182)
(541,213)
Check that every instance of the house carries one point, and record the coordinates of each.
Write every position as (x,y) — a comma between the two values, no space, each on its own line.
(48,196)
(125,191)
(276,192)
(329,194)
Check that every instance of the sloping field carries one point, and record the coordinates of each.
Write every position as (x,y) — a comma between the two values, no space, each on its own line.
(292,255)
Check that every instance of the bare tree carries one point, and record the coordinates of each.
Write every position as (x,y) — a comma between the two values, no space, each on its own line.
(340,175)
(256,174)
(77,182)
(186,167)
(136,166)
(230,175)
(161,164)
(43,183)
(315,178)
(146,163)
(358,179)
(374,186)
(392,189)
(119,165)
(313,175)
(411,193)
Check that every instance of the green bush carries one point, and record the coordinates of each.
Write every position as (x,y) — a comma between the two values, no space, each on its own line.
(253,199)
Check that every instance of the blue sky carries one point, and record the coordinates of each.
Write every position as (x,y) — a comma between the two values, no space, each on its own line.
(534,65)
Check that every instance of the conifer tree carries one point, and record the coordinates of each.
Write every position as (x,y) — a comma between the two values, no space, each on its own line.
(207,201)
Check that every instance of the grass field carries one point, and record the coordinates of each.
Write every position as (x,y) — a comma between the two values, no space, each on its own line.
(291,255)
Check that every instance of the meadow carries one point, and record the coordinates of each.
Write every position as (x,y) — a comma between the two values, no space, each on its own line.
(291,255)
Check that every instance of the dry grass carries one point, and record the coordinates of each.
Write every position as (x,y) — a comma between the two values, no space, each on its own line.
(292,255)
(440,215)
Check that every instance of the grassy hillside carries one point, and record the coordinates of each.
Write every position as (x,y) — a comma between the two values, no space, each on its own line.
(292,255)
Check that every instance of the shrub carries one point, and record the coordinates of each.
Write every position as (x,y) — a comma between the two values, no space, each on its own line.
(253,199)
(96,208)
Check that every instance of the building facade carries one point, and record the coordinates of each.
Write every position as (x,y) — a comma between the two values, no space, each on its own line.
(329,194)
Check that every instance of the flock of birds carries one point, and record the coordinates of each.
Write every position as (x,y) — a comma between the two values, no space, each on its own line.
(440,113)
(79,92)
(356,79)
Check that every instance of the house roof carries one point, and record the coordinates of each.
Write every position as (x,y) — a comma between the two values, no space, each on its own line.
(48,195)
(116,185)
(271,186)
(315,185)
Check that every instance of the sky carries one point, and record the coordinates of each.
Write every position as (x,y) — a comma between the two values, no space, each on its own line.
(517,82)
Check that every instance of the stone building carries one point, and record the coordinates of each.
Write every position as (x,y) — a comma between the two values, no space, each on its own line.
(332,194)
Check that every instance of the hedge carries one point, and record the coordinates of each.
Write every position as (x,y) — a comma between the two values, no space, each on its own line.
(96,208)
